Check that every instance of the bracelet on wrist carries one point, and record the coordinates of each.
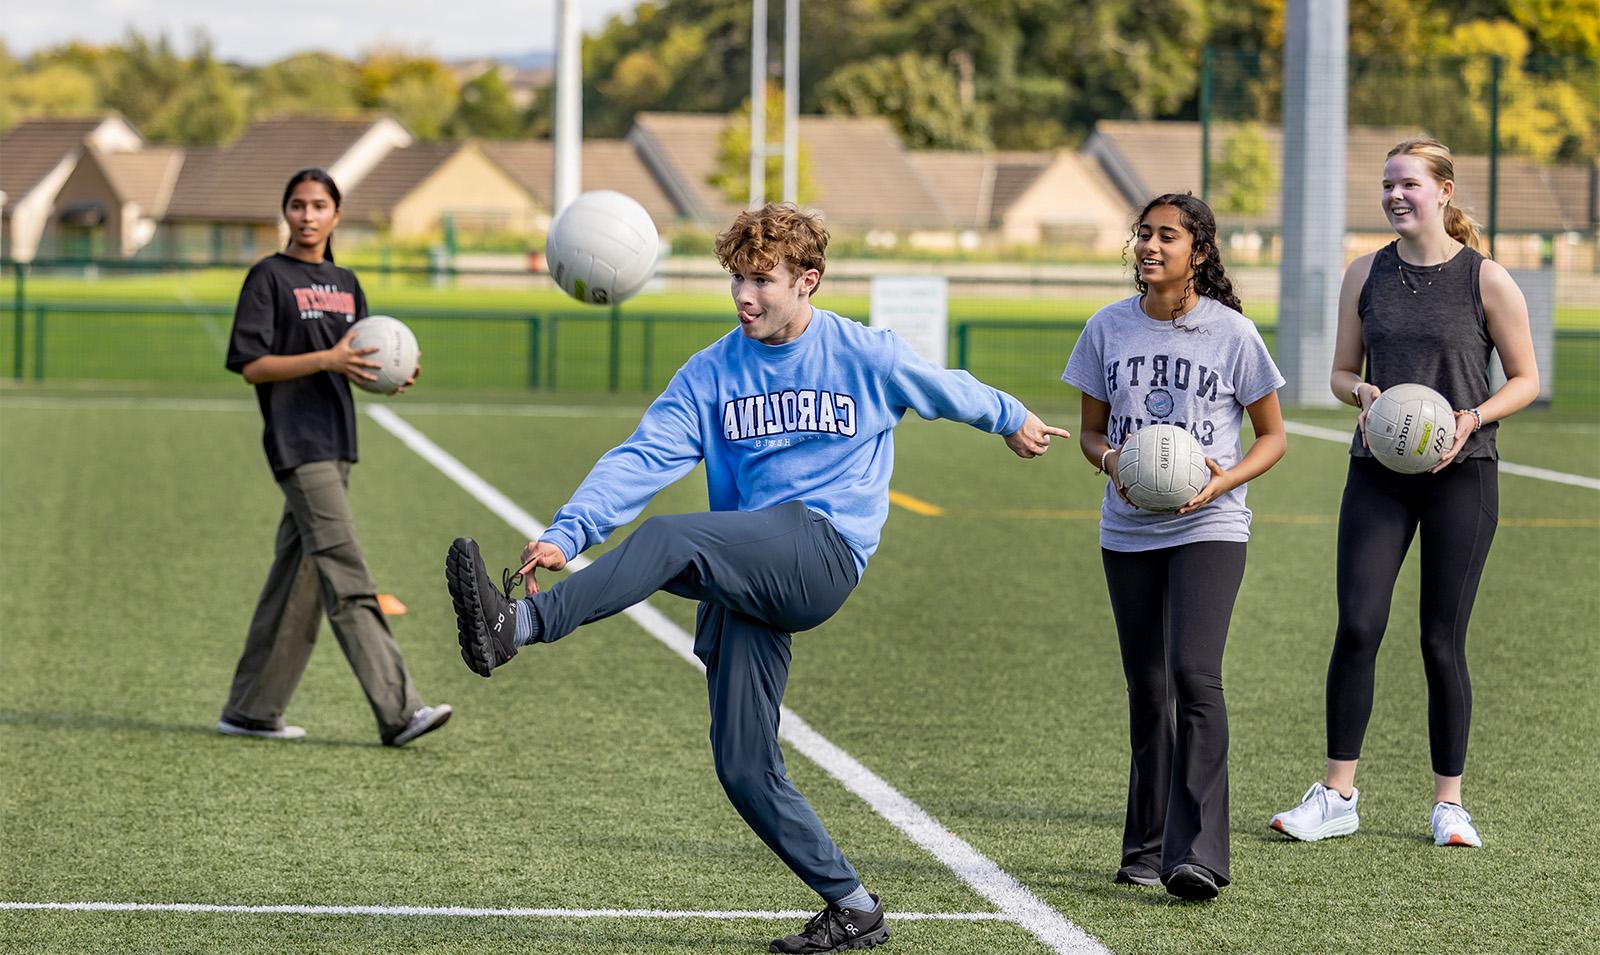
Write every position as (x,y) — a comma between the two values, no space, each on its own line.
(1103,455)
(1476,416)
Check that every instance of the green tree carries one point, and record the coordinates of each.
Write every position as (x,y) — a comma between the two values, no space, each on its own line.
(315,82)
(208,107)
(418,90)
(485,109)
(732,174)
(1245,176)
(57,89)
(142,76)
(916,94)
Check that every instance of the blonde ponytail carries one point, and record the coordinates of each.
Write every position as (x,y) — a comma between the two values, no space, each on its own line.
(1464,229)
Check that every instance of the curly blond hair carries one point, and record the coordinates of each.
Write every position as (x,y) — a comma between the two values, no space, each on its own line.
(759,239)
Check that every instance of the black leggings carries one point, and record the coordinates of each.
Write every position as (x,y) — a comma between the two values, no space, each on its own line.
(1172,608)
(1458,509)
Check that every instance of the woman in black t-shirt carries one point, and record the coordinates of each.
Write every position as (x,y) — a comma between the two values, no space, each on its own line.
(1427,308)
(292,340)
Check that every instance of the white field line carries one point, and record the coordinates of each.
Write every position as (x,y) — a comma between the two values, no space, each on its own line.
(153,403)
(456,911)
(1521,470)
(974,868)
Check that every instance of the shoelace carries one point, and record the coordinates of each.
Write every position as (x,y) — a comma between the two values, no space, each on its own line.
(509,581)
(1454,815)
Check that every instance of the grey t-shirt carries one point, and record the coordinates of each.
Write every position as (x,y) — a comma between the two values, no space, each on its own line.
(1199,375)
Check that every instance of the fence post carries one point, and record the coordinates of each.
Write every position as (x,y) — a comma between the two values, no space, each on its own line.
(649,352)
(533,352)
(38,342)
(961,344)
(19,322)
(1205,124)
(555,337)
(614,373)
(1494,148)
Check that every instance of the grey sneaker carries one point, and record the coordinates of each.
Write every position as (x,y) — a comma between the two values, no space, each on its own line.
(228,727)
(1192,883)
(425,720)
(1137,873)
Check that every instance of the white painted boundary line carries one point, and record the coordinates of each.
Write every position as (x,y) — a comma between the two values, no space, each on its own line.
(156,403)
(456,911)
(974,868)
(1521,470)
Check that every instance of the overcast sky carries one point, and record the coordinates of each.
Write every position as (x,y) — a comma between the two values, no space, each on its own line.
(265,31)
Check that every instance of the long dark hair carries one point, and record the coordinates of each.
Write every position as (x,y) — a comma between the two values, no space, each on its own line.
(319,176)
(1205,258)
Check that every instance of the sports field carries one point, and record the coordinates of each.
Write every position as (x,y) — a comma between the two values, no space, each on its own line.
(970,691)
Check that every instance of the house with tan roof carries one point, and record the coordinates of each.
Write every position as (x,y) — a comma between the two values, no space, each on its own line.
(54,200)
(1027,198)
(860,172)
(225,205)
(1536,205)
(607,164)
(420,189)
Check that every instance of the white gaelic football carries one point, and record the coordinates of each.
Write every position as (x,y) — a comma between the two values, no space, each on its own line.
(1409,428)
(397,352)
(1162,467)
(602,248)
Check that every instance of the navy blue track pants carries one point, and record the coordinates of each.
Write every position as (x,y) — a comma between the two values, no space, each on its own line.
(760,576)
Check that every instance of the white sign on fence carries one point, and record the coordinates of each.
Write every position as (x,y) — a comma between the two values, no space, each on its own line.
(917,309)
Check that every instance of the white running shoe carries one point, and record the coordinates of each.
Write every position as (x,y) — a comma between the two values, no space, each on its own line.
(1452,826)
(1322,814)
(283,732)
(425,720)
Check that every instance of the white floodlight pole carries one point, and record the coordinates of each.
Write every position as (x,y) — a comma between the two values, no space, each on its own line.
(1315,76)
(791,101)
(568,145)
(758,105)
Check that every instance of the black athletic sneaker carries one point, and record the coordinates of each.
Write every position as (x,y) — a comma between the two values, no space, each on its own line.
(486,622)
(837,930)
(1192,883)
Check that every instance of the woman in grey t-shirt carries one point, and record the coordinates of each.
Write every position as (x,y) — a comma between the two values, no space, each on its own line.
(1427,308)
(1177,353)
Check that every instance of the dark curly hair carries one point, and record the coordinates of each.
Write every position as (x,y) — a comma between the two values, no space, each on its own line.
(1205,258)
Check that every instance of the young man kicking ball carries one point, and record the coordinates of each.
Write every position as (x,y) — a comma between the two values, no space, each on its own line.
(793,415)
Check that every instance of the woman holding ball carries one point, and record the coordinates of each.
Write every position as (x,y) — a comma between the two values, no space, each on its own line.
(291,339)
(1426,308)
(1179,352)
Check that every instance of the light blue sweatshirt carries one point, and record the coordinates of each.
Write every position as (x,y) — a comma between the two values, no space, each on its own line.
(810,420)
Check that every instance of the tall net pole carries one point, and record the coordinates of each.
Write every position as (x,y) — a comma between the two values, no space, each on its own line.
(758,104)
(568,138)
(791,101)
(1314,86)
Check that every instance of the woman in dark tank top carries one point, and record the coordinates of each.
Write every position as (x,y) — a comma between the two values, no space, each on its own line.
(1427,308)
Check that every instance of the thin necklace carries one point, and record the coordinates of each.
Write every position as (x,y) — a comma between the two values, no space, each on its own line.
(1431,273)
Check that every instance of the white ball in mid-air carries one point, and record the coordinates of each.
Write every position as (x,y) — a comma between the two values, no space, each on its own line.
(1409,428)
(397,352)
(1162,467)
(602,248)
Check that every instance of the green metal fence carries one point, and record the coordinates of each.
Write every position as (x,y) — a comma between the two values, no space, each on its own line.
(569,351)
